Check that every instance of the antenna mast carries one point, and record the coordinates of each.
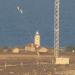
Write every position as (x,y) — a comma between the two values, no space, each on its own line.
(56,27)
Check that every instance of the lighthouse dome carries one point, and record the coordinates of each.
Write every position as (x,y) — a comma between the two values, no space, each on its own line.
(37,33)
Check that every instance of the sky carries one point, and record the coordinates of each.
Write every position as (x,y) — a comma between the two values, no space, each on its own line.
(18,29)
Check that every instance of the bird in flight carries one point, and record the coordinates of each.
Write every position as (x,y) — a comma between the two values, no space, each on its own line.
(20,9)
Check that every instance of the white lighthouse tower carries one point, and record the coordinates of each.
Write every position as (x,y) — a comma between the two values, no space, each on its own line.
(37,40)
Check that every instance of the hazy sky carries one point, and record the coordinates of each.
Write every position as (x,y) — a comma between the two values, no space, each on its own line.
(19,29)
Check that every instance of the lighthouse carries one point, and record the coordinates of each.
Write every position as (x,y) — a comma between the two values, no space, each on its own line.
(37,40)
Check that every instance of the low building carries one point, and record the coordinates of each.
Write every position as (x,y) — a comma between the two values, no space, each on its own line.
(30,47)
(43,49)
(62,60)
(15,50)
